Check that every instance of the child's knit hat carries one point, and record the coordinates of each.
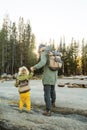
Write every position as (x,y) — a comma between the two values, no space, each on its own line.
(23,68)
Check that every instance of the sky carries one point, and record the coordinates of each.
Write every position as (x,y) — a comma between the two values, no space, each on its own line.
(49,18)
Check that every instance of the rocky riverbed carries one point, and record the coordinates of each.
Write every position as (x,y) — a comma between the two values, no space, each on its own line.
(70,112)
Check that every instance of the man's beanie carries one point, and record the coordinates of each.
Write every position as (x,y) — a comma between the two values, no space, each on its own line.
(41,46)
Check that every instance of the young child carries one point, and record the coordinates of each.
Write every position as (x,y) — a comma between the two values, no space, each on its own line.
(22,82)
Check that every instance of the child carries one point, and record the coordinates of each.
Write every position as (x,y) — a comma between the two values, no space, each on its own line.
(22,82)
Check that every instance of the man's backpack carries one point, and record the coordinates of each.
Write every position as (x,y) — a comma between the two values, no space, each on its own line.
(55,61)
(54,57)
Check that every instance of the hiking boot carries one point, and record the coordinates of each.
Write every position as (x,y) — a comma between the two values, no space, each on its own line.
(20,111)
(53,104)
(47,113)
(27,111)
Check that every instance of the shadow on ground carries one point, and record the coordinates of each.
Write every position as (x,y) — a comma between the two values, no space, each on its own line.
(61,119)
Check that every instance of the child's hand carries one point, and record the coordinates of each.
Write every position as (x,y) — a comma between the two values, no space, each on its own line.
(32,69)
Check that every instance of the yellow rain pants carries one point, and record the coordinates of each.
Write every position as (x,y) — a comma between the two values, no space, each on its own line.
(25,99)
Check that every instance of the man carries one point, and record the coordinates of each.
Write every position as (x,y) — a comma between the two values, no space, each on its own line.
(49,78)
